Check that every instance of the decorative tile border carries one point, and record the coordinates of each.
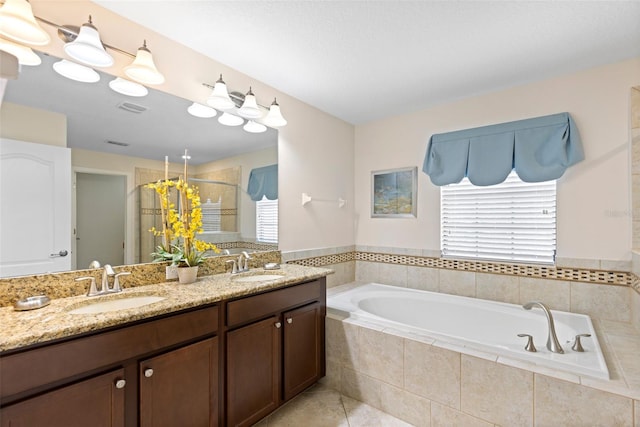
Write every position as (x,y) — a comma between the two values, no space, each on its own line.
(619,278)
(321,261)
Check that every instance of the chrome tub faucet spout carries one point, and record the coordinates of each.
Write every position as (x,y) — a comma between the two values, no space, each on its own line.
(552,340)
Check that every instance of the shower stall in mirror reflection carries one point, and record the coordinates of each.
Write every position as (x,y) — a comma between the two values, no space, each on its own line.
(220,209)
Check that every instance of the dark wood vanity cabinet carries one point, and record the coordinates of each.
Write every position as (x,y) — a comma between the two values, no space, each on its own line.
(161,372)
(230,363)
(180,388)
(274,350)
(97,402)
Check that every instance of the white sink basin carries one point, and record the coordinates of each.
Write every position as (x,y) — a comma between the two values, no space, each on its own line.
(258,278)
(116,304)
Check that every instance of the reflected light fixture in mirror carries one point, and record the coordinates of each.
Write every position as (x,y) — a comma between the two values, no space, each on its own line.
(230,120)
(143,69)
(18,23)
(274,116)
(127,87)
(253,127)
(201,111)
(76,72)
(219,97)
(249,109)
(25,55)
(87,48)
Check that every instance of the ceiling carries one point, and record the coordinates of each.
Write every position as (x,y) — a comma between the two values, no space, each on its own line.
(365,60)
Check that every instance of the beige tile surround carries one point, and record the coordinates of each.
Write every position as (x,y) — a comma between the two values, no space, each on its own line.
(425,384)
(441,386)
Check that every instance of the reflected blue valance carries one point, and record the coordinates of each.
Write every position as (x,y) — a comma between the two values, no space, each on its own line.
(263,182)
(539,149)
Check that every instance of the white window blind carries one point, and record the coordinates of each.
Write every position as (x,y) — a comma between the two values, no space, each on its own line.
(267,220)
(513,221)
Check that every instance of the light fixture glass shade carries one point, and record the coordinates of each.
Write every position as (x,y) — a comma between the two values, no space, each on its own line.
(127,87)
(143,69)
(249,109)
(76,72)
(219,97)
(87,47)
(254,127)
(202,111)
(25,55)
(18,23)
(274,116)
(230,120)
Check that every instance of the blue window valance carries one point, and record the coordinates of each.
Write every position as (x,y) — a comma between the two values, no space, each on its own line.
(263,182)
(539,149)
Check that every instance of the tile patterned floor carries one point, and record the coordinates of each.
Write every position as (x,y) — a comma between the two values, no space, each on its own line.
(321,406)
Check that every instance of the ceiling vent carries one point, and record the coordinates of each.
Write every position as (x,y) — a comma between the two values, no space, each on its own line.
(119,144)
(132,108)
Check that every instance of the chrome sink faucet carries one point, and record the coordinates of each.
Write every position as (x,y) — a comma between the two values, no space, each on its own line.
(243,266)
(104,286)
(552,339)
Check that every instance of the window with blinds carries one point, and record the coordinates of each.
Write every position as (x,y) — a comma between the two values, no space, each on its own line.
(267,220)
(513,221)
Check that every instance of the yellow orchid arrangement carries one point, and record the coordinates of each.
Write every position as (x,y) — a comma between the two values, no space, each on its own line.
(179,229)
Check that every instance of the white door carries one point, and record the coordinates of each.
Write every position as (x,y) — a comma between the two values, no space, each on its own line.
(35,208)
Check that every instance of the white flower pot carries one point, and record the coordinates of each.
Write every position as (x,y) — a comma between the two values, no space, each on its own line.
(187,275)
(171,272)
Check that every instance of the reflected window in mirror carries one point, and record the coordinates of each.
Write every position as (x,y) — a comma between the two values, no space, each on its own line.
(267,220)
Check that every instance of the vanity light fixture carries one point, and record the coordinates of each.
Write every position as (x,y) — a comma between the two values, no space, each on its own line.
(249,109)
(230,120)
(77,72)
(18,23)
(201,111)
(143,69)
(253,127)
(219,97)
(274,117)
(25,55)
(127,87)
(87,47)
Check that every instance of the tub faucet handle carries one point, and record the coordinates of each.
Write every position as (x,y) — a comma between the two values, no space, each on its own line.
(577,345)
(529,347)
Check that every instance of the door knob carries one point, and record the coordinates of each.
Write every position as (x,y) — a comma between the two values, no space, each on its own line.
(290,320)
(120,383)
(278,325)
(62,253)
(148,373)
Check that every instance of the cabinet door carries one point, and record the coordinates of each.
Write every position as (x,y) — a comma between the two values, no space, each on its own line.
(253,371)
(94,402)
(180,388)
(303,349)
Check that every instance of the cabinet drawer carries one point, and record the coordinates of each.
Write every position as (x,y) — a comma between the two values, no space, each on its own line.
(258,306)
(57,362)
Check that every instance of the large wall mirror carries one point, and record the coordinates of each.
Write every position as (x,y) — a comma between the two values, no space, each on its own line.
(119,143)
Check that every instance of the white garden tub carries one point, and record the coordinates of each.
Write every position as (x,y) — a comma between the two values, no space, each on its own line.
(477,324)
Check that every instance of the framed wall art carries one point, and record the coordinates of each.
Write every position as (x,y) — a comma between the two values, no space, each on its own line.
(393,193)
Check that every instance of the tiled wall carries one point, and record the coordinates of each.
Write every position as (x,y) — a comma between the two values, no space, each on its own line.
(425,384)
(603,294)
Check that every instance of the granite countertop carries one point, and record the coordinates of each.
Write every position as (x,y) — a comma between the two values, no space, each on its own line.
(25,328)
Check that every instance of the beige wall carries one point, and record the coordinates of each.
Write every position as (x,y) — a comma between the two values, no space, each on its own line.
(32,124)
(315,150)
(593,196)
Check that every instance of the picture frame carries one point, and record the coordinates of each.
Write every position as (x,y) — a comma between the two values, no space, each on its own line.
(394,193)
